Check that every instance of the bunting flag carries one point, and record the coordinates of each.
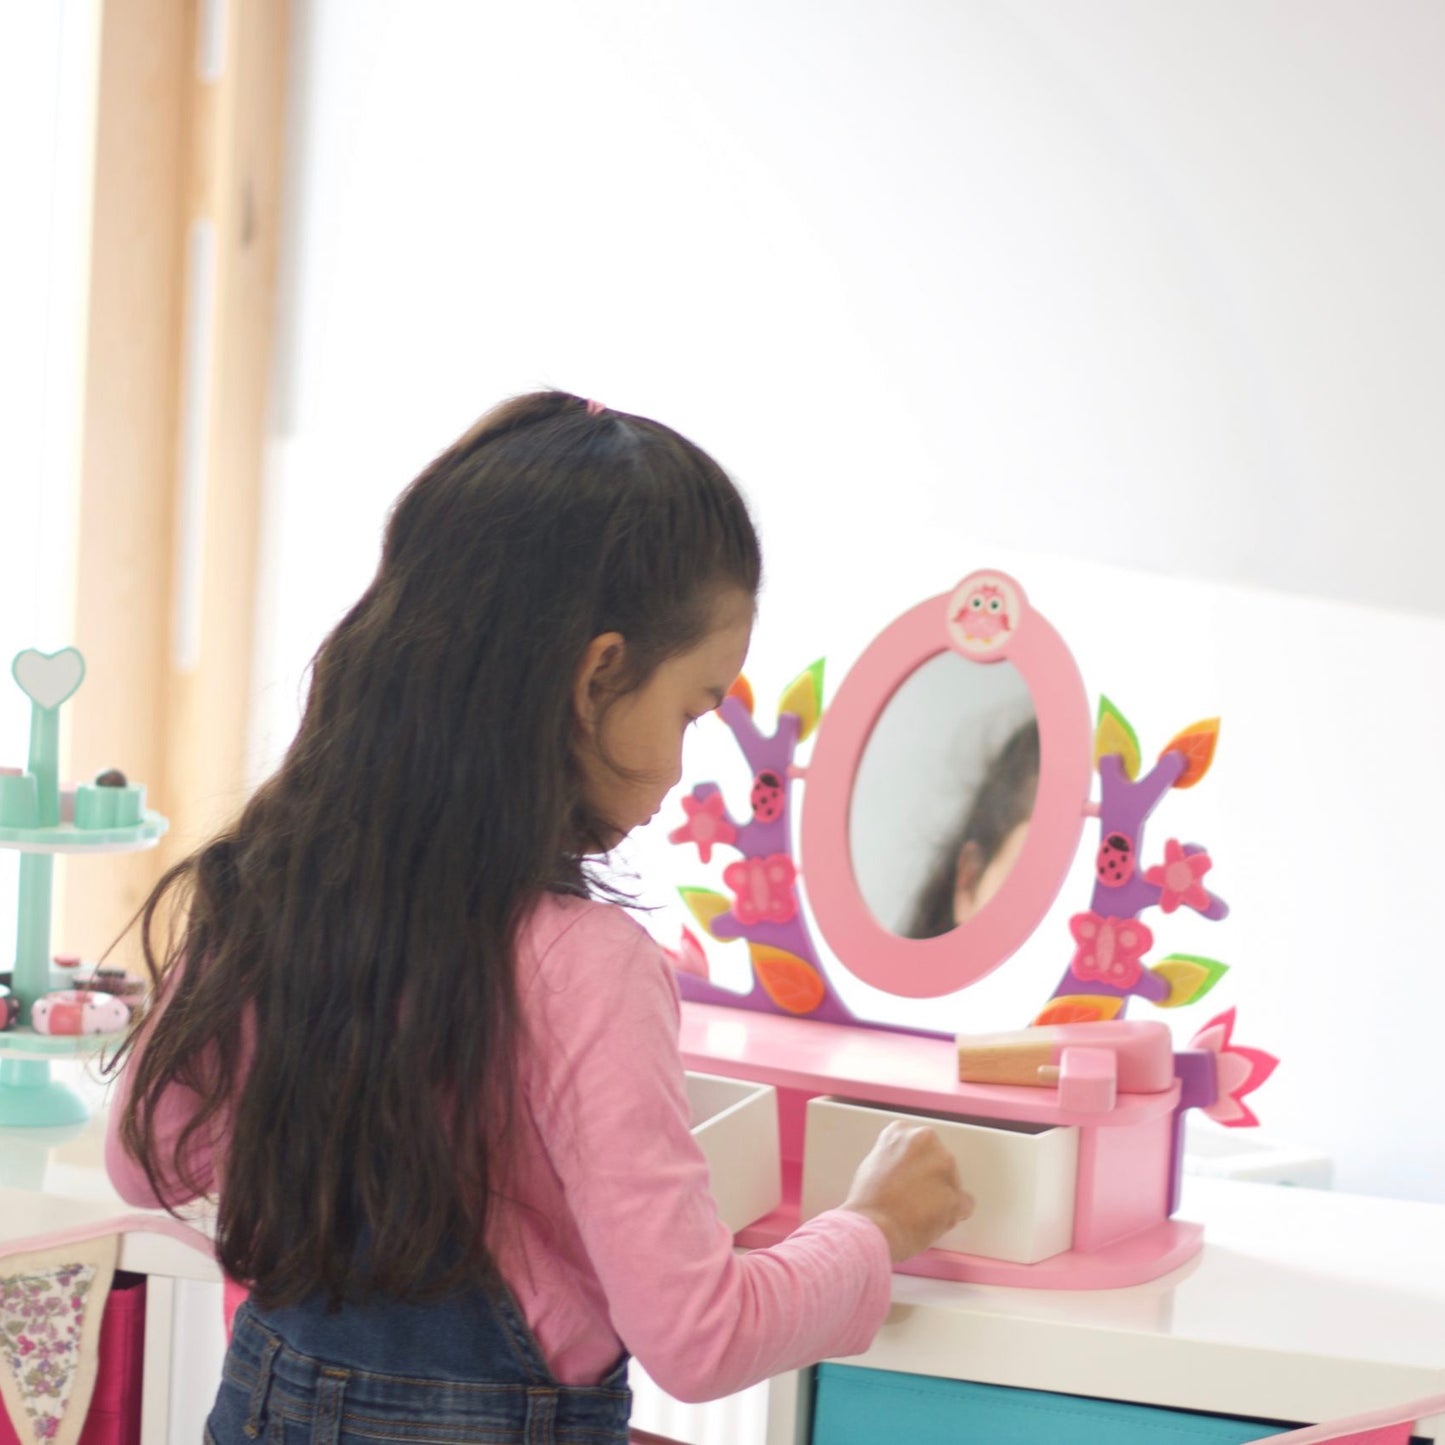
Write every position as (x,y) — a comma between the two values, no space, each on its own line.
(53,1289)
(51,1301)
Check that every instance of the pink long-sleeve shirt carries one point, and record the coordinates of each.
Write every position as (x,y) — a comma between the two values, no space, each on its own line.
(617,1242)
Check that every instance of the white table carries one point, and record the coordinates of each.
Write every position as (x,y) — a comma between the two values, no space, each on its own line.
(1304,1305)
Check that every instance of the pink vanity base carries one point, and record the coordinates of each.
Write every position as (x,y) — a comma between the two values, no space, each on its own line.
(1123,1234)
(1134,1260)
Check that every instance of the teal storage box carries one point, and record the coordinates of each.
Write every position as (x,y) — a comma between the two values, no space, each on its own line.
(855,1406)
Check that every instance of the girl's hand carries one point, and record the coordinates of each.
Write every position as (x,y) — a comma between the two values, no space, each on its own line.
(909,1187)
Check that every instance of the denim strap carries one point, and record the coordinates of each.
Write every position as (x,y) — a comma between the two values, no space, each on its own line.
(541,1417)
(520,1339)
(326,1421)
(256,1410)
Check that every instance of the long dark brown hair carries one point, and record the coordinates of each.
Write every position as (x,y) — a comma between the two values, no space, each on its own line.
(346,1013)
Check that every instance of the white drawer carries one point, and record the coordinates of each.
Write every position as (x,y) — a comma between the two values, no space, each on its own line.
(1021,1176)
(736,1125)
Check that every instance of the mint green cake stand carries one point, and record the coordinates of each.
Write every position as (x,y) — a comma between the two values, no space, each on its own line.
(30,824)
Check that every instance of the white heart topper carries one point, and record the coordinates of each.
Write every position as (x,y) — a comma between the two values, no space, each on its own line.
(47,679)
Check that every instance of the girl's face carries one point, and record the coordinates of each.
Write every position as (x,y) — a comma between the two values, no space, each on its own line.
(630,747)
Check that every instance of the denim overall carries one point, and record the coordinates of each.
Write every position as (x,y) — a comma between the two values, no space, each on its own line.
(448,1372)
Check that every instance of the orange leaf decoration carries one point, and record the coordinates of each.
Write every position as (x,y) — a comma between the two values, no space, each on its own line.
(742,689)
(1196,743)
(791,982)
(1079,1009)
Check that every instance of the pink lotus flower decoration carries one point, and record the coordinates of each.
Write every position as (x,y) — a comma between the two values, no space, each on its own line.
(1109,949)
(762,889)
(1178,877)
(1239,1071)
(688,956)
(707,824)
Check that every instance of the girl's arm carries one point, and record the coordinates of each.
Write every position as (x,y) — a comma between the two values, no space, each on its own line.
(176,1107)
(703,1320)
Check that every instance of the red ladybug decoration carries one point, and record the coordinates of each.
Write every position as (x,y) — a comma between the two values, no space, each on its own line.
(767,796)
(1114,865)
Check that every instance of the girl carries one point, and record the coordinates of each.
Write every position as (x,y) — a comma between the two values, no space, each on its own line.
(432,1079)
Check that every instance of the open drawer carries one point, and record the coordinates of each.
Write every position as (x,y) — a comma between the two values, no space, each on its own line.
(1022,1176)
(736,1125)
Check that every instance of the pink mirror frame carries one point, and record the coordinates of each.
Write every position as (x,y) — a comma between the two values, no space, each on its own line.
(986,618)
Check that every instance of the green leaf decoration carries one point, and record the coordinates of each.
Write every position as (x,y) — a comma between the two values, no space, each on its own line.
(705,905)
(1112,734)
(804,696)
(1189,977)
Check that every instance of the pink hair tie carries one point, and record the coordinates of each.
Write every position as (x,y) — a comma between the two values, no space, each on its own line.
(595,408)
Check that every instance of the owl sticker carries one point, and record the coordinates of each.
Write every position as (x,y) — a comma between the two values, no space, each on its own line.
(984,614)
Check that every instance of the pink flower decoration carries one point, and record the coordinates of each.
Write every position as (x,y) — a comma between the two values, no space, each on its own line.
(1178,877)
(1239,1071)
(1109,949)
(707,824)
(762,889)
(688,956)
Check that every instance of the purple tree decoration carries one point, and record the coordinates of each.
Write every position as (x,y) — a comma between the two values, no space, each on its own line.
(1107,968)
(764,908)
(1110,942)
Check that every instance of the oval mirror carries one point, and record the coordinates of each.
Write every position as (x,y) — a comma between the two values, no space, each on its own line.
(968,704)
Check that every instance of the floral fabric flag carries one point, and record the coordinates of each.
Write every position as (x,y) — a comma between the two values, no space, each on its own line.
(51,1301)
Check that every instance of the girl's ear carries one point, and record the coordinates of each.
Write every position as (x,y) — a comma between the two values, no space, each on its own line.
(965,883)
(598,674)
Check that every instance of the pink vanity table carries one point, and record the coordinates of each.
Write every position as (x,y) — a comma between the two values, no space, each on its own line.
(900,1071)
(967,707)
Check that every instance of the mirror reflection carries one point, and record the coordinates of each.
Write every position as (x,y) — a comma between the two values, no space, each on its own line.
(943,797)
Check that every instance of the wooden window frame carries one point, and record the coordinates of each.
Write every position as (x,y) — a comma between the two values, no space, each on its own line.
(190,134)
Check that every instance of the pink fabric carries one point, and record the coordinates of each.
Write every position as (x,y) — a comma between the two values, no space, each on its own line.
(1375,1427)
(616,1241)
(233,1296)
(116,1224)
(1384,1435)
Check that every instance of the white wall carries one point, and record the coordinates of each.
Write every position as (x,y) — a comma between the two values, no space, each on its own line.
(1141,300)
